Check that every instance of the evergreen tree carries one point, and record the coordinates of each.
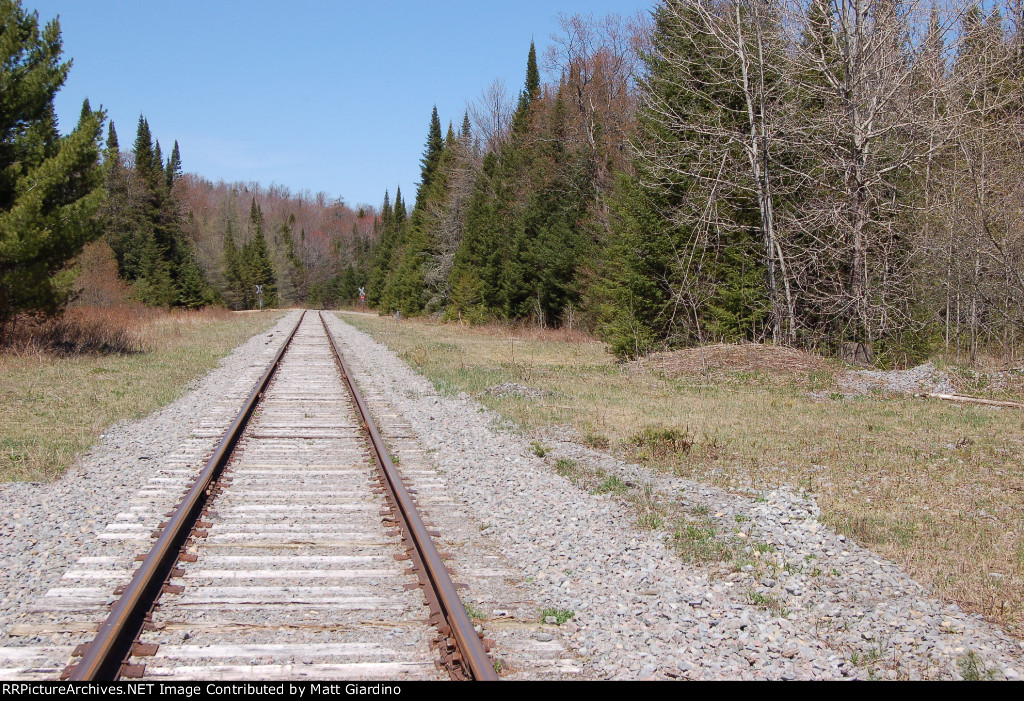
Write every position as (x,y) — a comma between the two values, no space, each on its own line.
(476,270)
(381,264)
(143,150)
(663,257)
(50,186)
(173,171)
(234,276)
(259,271)
(532,74)
(406,285)
(112,152)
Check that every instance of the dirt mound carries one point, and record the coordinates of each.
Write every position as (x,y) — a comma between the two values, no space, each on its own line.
(734,357)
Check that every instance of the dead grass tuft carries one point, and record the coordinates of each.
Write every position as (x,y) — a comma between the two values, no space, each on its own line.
(81,330)
(659,443)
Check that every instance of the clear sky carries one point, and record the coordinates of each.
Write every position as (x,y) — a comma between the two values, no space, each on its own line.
(316,95)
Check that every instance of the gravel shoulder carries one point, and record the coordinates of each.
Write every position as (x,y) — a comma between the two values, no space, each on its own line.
(805,603)
(44,528)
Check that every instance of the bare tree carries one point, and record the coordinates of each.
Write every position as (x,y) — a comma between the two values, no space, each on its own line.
(597,61)
(729,133)
(866,141)
(491,114)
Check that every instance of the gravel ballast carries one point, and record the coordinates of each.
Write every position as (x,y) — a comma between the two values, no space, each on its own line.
(805,602)
(45,528)
(809,603)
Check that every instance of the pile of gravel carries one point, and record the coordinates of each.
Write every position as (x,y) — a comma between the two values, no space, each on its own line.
(923,378)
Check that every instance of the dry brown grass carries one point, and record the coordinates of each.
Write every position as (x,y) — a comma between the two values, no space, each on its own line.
(734,358)
(54,402)
(935,486)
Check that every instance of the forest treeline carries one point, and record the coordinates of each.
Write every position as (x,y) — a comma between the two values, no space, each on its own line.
(820,173)
(180,240)
(813,172)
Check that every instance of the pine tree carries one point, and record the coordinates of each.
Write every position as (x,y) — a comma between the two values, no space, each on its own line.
(112,152)
(532,74)
(664,254)
(381,265)
(430,162)
(406,286)
(234,276)
(256,259)
(143,150)
(50,186)
(173,171)
(530,93)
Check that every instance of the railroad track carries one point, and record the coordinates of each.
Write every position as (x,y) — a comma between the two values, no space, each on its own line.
(297,553)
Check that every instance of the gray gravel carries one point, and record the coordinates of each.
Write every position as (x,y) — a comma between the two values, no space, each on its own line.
(923,378)
(44,528)
(798,601)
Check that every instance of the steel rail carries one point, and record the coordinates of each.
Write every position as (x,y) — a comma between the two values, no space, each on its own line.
(104,657)
(471,649)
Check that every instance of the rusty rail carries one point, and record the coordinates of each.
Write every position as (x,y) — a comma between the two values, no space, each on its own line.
(109,651)
(469,650)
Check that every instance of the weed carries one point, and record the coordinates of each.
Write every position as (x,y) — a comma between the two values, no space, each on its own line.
(539,449)
(473,613)
(649,522)
(659,443)
(768,603)
(612,485)
(651,513)
(740,518)
(597,441)
(699,510)
(698,543)
(560,615)
(773,433)
(881,530)
(566,467)
(55,403)
(972,668)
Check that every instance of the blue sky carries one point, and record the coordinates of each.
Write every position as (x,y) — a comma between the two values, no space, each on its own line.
(313,95)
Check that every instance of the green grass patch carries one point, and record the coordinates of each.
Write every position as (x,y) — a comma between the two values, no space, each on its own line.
(560,615)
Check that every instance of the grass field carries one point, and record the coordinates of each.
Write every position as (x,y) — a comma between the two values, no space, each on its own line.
(935,486)
(53,407)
